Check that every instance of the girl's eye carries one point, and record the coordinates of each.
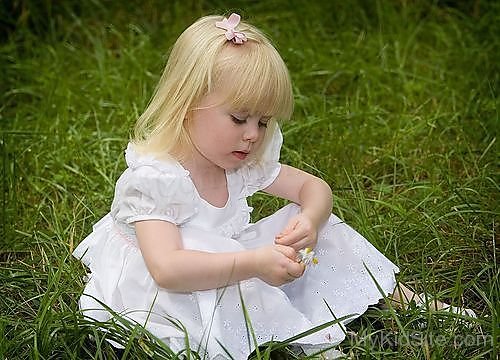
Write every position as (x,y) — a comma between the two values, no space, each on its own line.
(264,120)
(242,120)
(237,120)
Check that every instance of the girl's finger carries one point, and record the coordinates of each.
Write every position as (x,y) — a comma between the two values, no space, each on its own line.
(288,251)
(286,240)
(297,241)
(291,238)
(301,244)
(296,270)
(288,229)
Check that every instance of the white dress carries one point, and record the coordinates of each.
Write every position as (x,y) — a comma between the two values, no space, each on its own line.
(154,189)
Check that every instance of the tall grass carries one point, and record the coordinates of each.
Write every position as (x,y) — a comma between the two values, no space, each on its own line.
(396,107)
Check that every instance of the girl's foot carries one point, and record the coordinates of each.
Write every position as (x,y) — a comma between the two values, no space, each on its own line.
(428,301)
(403,296)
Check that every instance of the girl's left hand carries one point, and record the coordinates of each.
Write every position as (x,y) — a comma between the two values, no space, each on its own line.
(299,233)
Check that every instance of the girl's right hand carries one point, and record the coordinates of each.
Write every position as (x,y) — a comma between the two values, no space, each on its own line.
(277,264)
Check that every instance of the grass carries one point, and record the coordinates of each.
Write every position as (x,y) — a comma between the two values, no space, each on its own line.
(396,107)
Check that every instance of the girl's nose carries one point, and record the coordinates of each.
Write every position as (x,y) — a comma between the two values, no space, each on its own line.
(251,132)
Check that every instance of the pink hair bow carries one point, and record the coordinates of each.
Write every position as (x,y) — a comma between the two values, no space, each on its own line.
(229,25)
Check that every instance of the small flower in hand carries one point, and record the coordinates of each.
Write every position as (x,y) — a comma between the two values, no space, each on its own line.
(306,256)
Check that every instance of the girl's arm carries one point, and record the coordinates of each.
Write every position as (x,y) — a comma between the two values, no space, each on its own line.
(315,199)
(177,269)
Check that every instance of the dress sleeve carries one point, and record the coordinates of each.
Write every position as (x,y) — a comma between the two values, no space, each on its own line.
(259,174)
(147,193)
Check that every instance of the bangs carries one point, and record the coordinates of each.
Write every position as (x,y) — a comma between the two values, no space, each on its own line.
(254,79)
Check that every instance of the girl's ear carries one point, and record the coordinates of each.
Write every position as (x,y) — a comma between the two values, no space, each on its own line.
(187,121)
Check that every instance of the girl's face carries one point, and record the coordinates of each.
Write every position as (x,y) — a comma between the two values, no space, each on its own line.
(222,136)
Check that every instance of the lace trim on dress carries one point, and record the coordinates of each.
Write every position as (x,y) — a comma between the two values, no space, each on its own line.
(123,235)
(134,160)
(236,224)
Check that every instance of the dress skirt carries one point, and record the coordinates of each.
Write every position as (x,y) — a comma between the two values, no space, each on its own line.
(351,274)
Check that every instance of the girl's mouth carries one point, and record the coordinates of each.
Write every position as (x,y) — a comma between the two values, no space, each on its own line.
(240,155)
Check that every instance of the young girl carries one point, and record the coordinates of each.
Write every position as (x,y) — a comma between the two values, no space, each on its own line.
(178,242)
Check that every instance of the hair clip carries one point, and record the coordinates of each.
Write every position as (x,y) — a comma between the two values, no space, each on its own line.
(237,37)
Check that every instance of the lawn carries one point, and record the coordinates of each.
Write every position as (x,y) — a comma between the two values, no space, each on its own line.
(397,108)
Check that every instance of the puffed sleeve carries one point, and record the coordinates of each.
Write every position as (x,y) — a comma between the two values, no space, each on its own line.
(259,174)
(149,191)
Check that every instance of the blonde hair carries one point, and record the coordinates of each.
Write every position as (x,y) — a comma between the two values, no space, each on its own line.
(253,77)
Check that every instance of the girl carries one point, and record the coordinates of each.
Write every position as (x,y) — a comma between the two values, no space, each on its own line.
(178,242)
